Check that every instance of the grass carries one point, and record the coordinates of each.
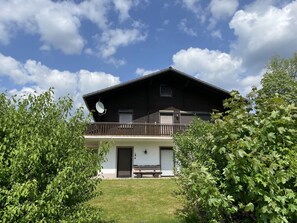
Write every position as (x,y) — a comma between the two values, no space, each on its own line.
(138,200)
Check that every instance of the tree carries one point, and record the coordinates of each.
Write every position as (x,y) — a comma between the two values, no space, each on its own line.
(281,78)
(45,170)
(242,167)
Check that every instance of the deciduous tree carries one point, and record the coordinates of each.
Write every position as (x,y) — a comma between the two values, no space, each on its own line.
(242,167)
(45,170)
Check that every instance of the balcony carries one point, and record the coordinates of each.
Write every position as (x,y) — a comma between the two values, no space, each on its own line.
(135,129)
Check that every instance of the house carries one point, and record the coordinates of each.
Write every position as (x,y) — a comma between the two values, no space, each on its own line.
(139,118)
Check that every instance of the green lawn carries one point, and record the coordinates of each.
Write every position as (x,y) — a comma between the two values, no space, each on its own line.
(138,200)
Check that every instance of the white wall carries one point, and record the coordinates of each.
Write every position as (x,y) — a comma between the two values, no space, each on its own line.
(139,157)
(109,167)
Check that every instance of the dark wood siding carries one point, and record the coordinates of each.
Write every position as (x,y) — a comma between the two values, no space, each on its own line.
(144,99)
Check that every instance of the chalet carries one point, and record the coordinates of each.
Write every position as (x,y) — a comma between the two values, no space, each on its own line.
(139,118)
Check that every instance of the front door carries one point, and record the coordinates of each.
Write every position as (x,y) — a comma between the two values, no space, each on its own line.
(167,163)
(124,162)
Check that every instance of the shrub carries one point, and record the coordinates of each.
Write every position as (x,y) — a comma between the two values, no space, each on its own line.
(45,169)
(242,167)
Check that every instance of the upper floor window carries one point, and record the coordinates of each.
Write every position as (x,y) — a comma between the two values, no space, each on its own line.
(126,116)
(165,91)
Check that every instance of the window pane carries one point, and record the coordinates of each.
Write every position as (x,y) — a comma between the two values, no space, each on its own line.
(125,118)
(166,119)
(186,119)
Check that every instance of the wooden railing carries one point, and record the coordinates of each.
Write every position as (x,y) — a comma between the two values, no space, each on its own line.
(135,129)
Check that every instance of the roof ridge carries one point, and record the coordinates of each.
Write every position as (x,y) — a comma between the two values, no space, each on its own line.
(170,68)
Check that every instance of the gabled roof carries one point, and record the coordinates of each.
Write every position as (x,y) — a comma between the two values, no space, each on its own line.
(118,86)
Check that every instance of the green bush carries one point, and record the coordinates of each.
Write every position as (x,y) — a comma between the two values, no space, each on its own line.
(242,167)
(45,170)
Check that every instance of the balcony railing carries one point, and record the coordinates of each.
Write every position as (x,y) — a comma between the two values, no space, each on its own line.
(135,129)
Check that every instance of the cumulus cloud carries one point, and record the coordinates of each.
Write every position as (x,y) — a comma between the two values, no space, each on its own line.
(91,81)
(58,22)
(123,6)
(263,29)
(114,38)
(14,69)
(60,30)
(214,11)
(38,77)
(216,67)
(55,22)
(207,63)
(94,10)
(223,8)
(262,33)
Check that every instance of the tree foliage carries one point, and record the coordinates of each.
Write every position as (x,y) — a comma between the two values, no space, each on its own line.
(242,167)
(281,78)
(45,170)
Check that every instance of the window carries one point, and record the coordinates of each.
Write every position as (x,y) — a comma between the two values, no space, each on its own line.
(165,91)
(166,118)
(126,116)
(186,119)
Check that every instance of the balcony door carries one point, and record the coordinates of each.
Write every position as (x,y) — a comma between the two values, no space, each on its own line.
(166,121)
(124,167)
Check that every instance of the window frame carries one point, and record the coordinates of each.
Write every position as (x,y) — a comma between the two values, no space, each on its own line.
(166,94)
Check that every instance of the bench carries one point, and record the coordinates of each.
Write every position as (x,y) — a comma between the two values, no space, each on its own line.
(140,170)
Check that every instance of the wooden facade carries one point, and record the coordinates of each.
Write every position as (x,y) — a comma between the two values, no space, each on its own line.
(149,100)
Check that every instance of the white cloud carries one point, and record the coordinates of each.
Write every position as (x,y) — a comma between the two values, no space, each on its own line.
(25,91)
(95,11)
(14,69)
(183,27)
(218,68)
(216,34)
(123,6)
(58,22)
(38,77)
(216,9)
(195,7)
(143,72)
(114,38)
(55,22)
(264,32)
(92,81)
(223,8)
(60,30)
(248,82)
(196,60)
(209,65)
(263,29)
(4,35)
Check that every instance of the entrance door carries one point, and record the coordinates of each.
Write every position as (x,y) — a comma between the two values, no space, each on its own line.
(124,162)
(167,163)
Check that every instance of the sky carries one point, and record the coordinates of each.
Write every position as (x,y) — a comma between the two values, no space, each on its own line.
(82,46)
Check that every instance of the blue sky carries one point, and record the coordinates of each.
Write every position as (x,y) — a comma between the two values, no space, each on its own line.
(81,46)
